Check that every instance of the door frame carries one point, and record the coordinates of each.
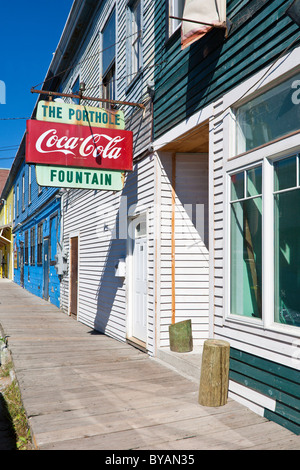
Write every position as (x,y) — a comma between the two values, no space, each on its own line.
(129,276)
(73,235)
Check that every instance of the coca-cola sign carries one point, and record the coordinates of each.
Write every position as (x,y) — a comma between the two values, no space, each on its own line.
(51,143)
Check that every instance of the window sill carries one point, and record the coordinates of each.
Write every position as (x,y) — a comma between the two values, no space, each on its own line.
(244,320)
(257,323)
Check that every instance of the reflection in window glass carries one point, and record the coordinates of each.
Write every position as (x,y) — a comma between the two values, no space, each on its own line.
(108,58)
(246,246)
(109,39)
(237,186)
(285,174)
(271,115)
(254,181)
(287,244)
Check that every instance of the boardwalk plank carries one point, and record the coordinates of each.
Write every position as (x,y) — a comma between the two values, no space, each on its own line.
(83,390)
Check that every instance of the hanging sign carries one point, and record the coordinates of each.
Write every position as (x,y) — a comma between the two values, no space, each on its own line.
(83,178)
(52,111)
(78,146)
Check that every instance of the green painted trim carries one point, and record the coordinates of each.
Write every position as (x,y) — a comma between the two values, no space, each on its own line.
(273,380)
(271,416)
(265,364)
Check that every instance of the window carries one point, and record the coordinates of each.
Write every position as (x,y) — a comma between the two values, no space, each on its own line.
(269,116)
(18,200)
(23,193)
(287,241)
(108,58)
(280,241)
(26,247)
(135,39)
(40,244)
(32,246)
(246,243)
(176,8)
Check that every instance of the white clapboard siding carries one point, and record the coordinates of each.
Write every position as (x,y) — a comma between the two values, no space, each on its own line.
(191,251)
(102,296)
(94,215)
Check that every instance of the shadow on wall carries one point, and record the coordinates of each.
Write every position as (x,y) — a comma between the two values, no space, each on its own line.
(203,58)
(111,292)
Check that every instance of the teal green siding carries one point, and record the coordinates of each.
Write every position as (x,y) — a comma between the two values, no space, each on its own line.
(276,381)
(188,80)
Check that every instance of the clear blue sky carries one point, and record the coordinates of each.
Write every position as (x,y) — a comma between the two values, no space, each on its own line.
(29,34)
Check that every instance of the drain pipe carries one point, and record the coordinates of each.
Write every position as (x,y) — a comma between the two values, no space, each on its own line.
(173,237)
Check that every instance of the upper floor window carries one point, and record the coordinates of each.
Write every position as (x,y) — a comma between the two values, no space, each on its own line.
(18,200)
(108,58)
(175,9)
(134,38)
(269,116)
(23,192)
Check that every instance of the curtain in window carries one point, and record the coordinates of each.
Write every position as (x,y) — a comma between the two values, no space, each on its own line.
(206,11)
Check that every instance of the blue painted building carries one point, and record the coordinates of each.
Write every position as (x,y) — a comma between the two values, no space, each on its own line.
(36,230)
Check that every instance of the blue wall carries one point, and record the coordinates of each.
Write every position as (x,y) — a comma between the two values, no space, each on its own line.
(43,207)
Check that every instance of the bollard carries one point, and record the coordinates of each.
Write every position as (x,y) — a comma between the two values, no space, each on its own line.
(181,339)
(214,377)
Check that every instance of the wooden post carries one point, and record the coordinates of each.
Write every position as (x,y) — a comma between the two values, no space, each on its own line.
(214,378)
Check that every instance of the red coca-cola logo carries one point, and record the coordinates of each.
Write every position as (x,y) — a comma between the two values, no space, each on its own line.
(72,145)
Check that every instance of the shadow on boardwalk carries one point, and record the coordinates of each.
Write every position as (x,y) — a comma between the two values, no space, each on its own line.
(83,390)
(7,434)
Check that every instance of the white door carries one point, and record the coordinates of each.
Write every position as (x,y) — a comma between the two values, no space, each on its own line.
(139,279)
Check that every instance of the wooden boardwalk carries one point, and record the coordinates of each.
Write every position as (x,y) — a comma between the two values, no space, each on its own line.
(83,390)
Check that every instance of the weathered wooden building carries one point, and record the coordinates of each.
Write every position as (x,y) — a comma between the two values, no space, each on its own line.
(205,228)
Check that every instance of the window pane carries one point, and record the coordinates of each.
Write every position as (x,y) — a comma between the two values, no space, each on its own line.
(109,39)
(237,186)
(254,181)
(176,8)
(287,258)
(285,174)
(271,115)
(246,258)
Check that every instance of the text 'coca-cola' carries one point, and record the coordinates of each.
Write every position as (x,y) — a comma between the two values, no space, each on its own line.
(51,143)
